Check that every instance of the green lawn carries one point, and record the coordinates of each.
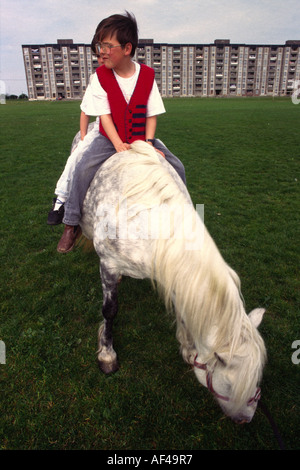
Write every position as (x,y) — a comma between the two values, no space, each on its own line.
(242,162)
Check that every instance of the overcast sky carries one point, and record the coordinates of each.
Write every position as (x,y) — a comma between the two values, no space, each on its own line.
(170,21)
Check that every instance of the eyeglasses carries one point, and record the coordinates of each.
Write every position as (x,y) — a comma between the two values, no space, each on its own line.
(105,47)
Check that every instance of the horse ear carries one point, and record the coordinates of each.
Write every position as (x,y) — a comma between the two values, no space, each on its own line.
(221,359)
(256,316)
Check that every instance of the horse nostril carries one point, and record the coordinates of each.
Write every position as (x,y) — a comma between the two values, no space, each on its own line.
(242,420)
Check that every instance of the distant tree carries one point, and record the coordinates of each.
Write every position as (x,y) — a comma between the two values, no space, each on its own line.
(23,97)
(11,97)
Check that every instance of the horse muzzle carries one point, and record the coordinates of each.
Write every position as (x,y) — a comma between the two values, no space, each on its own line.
(242,420)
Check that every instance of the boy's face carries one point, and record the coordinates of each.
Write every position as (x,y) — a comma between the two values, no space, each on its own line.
(100,60)
(114,57)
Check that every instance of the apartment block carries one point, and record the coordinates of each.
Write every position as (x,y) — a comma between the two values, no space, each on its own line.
(62,70)
(56,71)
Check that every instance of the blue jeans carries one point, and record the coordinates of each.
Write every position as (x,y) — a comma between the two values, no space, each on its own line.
(100,150)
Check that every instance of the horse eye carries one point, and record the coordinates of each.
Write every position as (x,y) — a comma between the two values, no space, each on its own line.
(220,359)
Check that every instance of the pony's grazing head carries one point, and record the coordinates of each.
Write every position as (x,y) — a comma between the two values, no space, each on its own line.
(234,378)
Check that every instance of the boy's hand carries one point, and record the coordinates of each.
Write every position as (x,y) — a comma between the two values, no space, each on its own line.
(159,151)
(122,147)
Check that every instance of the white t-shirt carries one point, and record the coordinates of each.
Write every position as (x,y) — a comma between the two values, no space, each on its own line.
(86,97)
(95,101)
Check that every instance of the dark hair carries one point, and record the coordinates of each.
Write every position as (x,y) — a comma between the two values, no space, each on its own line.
(124,26)
(95,40)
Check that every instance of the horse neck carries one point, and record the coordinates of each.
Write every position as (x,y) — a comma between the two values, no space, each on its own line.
(205,291)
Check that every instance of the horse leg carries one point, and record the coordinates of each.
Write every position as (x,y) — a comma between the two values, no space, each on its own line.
(107,357)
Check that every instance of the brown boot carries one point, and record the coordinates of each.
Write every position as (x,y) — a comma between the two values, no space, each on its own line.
(68,239)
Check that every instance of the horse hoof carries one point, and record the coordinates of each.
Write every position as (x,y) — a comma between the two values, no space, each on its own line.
(108,367)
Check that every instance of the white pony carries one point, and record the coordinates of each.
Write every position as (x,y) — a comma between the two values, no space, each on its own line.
(143,224)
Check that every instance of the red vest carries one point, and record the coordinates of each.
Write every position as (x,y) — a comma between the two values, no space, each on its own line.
(129,118)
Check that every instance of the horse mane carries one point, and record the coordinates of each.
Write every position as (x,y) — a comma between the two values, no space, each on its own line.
(202,287)
(206,293)
(207,290)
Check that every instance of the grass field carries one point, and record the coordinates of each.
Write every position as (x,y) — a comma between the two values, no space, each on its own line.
(242,162)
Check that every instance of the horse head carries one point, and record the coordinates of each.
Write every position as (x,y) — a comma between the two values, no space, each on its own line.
(233,379)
